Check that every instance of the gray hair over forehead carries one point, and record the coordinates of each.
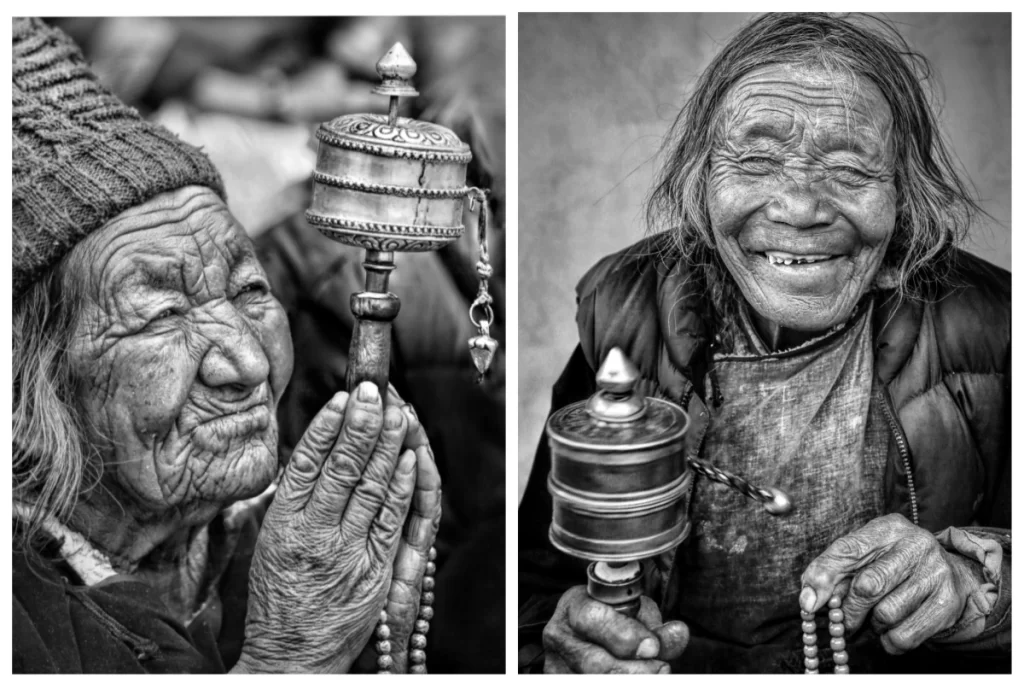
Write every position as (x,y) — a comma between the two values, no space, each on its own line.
(934,206)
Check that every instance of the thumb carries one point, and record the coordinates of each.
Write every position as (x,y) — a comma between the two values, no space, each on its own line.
(674,637)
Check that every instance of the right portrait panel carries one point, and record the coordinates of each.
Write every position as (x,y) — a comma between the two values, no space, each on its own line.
(764,345)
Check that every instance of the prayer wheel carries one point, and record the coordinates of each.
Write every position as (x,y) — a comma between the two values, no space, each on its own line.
(620,483)
(389,184)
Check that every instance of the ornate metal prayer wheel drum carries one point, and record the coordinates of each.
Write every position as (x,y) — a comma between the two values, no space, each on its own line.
(620,482)
(390,184)
(387,183)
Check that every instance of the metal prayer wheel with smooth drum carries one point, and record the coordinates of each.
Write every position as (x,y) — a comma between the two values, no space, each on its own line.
(620,482)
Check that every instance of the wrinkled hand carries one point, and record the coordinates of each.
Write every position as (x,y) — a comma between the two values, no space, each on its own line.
(898,573)
(323,563)
(587,636)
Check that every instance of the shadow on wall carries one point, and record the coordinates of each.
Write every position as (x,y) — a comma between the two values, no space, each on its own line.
(596,95)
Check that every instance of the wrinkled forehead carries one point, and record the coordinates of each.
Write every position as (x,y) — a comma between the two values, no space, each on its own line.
(840,110)
(188,247)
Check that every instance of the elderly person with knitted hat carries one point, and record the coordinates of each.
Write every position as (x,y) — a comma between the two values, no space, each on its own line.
(149,357)
(807,304)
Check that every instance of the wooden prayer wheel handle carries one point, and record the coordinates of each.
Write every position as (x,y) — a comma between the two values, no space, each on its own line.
(374,310)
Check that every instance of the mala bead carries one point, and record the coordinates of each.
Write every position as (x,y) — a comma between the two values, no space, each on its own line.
(385,662)
(417,669)
(427,598)
(837,631)
(384,647)
(426,612)
(383,632)
(417,657)
(422,626)
(383,619)
(428,584)
(431,569)
(418,641)
(432,555)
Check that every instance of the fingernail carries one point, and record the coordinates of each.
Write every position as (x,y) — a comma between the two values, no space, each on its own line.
(369,392)
(392,419)
(807,599)
(648,649)
(664,669)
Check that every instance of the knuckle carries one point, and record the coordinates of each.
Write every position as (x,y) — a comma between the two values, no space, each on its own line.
(847,547)
(886,612)
(869,583)
(344,468)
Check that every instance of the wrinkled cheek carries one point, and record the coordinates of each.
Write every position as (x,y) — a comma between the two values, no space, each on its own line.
(157,389)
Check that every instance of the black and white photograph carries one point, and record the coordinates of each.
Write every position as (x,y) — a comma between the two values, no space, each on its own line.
(764,343)
(258,277)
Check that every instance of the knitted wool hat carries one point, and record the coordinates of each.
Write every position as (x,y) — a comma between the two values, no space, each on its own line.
(80,155)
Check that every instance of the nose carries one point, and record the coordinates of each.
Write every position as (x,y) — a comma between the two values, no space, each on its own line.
(801,202)
(236,360)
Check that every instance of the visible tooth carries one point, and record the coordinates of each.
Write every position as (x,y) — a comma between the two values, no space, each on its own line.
(787,261)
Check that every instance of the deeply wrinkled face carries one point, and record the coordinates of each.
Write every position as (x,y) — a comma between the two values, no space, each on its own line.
(180,356)
(801,192)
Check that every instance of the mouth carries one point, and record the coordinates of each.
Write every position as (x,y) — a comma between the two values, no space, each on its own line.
(777,258)
(248,420)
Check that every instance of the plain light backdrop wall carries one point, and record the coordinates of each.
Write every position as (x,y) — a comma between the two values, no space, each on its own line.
(598,92)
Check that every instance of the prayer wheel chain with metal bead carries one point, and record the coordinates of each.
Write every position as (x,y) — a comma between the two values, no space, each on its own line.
(416,653)
(838,643)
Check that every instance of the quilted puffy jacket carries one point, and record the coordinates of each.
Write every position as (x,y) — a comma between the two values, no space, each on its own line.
(943,362)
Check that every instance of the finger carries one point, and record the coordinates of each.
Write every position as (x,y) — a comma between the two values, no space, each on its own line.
(937,613)
(899,605)
(649,614)
(416,435)
(674,637)
(874,582)
(385,532)
(554,664)
(403,599)
(844,557)
(344,467)
(364,507)
(621,636)
(425,514)
(303,469)
(587,658)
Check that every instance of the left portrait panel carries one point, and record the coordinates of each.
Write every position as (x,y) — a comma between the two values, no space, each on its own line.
(258,340)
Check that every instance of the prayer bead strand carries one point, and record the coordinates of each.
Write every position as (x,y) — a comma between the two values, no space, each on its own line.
(838,642)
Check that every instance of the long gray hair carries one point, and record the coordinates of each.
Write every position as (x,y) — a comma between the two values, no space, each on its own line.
(934,206)
(51,463)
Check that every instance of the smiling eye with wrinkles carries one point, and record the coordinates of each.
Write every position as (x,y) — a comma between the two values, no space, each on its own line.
(849,174)
(758,164)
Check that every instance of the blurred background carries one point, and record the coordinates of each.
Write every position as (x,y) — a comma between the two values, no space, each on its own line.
(251,91)
(597,93)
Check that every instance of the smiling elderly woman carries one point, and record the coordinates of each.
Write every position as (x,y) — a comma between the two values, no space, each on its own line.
(809,307)
(149,358)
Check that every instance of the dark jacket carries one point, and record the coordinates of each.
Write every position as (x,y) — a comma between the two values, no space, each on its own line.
(943,366)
